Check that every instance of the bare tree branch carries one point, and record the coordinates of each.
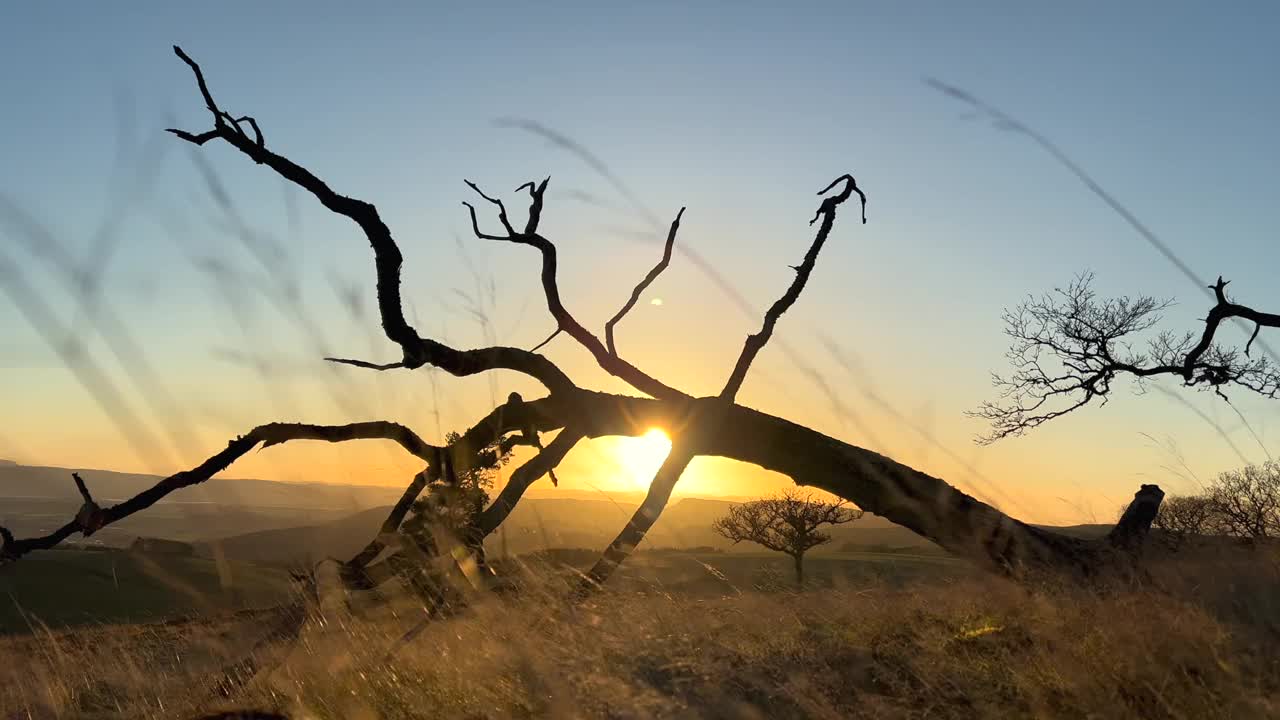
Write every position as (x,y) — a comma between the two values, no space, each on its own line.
(544,343)
(89,518)
(467,452)
(266,435)
(394,518)
(388,259)
(644,284)
(755,343)
(565,321)
(366,364)
(1089,343)
(541,464)
(807,371)
(442,462)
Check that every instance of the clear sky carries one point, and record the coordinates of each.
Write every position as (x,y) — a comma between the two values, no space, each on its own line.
(740,111)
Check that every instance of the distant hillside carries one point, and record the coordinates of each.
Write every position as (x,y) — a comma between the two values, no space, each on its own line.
(539,524)
(29,481)
(35,500)
(303,545)
(1088,532)
(73,586)
(280,523)
(174,521)
(546,491)
(534,525)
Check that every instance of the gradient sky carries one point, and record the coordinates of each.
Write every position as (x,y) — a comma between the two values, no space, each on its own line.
(740,111)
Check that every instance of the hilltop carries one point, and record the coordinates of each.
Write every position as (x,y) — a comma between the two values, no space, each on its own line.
(54,483)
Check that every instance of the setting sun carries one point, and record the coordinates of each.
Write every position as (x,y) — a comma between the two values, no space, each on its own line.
(641,457)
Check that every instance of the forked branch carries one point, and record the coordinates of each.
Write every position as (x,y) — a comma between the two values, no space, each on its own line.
(565,320)
(544,463)
(417,351)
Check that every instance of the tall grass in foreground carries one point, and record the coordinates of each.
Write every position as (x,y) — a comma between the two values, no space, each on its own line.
(1196,641)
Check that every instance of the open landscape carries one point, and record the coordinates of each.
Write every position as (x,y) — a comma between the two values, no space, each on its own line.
(706,360)
(684,634)
(114,576)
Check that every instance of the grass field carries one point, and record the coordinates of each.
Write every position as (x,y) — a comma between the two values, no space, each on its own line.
(76,586)
(713,574)
(712,635)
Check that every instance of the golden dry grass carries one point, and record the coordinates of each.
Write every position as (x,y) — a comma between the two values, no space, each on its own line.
(1198,641)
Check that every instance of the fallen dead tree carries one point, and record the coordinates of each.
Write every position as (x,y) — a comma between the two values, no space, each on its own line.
(699,426)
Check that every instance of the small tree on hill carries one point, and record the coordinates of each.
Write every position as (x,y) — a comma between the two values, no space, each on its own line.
(787,524)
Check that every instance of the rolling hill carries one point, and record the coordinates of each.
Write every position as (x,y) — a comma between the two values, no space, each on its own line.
(286,524)
(37,499)
(54,483)
(536,524)
(70,586)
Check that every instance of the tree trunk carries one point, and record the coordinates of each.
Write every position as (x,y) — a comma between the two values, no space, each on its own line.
(645,515)
(908,497)
(799,563)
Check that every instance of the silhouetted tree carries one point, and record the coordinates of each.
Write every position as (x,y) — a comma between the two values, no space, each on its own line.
(1243,503)
(789,523)
(1246,502)
(1182,518)
(1070,346)
(699,426)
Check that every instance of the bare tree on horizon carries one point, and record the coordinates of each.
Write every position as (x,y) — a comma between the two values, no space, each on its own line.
(1069,347)
(789,523)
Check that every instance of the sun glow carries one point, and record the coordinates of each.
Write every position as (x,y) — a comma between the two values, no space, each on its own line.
(641,457)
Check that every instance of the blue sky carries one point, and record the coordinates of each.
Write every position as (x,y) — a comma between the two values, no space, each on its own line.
(741,111)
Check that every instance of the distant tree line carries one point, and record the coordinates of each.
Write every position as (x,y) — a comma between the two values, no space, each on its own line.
(1241,503)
